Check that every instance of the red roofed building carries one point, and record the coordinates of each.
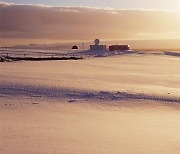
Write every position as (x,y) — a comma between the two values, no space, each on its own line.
(119,47)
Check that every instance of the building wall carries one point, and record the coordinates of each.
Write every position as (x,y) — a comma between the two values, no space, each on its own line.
(97,47)
(119,47)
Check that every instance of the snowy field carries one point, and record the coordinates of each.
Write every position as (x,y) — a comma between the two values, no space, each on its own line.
(119,104)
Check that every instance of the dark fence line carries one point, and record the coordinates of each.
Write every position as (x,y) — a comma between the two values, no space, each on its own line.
(42,59)
(39,57)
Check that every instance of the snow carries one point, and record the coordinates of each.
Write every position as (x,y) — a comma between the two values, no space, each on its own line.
(128,103)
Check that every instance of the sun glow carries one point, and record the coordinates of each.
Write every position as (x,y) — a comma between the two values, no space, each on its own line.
(170,5)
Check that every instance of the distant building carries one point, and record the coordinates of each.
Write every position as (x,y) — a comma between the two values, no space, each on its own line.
(75,47)
(119,47)
(97,45)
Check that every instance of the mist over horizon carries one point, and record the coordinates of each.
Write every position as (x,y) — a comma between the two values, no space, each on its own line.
(161,45)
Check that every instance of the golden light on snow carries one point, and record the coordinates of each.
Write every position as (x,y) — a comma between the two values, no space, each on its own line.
(41,114)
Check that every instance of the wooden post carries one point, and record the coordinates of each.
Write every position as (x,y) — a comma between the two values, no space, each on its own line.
(83,46)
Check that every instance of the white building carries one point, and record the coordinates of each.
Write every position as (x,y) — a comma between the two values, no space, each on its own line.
(97,45)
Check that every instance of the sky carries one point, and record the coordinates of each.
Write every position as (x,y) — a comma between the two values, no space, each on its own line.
(48,21)
(166,5)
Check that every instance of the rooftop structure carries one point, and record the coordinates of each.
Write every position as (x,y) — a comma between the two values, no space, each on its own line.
(75,47)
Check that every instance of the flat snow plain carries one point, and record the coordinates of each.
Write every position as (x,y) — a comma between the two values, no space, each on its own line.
(121,104)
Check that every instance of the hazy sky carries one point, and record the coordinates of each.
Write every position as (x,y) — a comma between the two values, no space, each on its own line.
(48,21)
(171,5)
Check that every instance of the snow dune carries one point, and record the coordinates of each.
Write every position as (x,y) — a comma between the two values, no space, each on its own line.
(73,94)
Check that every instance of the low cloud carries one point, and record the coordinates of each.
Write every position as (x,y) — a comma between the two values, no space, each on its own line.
(84,23)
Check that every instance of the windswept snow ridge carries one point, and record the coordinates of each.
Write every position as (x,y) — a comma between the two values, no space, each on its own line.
(64,93)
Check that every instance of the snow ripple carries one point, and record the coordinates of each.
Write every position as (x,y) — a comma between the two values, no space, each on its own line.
(16,90)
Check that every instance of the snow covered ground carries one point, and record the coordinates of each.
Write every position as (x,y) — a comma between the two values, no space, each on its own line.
(118,104)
